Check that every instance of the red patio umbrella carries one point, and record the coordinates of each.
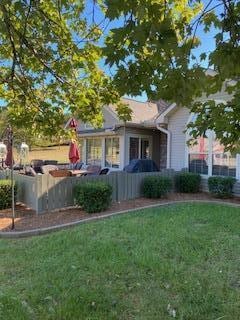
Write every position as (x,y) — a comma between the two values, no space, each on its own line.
(74,155)
(73,123)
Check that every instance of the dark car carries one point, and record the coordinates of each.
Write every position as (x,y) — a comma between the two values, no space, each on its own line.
(141,165)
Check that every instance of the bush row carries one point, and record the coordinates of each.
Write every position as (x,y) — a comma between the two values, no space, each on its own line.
(97,196)
(6,194)
(157,186)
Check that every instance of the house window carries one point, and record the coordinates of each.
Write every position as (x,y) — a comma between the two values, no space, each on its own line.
(199,155)
(224,164)
(139,148)
(207,156)
(94,151)
(144,148)
(112,158)
(134,148)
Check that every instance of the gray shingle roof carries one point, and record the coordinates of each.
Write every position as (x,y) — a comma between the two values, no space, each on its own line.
(143,111)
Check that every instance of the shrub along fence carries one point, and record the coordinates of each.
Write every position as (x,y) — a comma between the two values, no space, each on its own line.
(44,193)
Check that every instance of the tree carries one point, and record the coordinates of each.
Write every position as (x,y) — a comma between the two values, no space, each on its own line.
(49,65)
(152,52)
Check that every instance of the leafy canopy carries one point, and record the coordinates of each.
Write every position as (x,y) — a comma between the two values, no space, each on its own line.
(49,64)
(50,54)
(152,52)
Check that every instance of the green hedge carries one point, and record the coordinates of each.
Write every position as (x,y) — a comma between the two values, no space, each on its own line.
(93,196)
(221,187)
(156,186)
(187,182)
(6,194)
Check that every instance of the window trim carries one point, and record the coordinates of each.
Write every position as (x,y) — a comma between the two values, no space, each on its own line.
(104,141)
(211,136)
(93,138)
(121,150)
(140,136)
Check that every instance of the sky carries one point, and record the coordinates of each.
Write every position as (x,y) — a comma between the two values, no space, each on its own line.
(207,39)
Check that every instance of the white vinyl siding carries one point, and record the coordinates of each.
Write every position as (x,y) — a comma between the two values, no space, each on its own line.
(177,125)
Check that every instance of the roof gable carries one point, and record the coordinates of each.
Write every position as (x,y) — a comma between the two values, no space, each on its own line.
(141,111)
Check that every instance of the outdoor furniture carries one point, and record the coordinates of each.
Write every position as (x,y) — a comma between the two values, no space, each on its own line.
(52,162)
(104,171)
(29,171)
(60,173)
(78,173)
(93,170)
(90,170)
(36,164)
(141,165)
(48,167)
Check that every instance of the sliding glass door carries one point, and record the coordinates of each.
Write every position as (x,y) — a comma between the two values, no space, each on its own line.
(139,148)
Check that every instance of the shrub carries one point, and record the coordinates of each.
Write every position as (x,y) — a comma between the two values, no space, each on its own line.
(156,186)
(188,182)
(221,187)
(93,196)
(6,194)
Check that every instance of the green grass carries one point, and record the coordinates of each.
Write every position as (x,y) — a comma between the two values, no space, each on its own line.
(142,265)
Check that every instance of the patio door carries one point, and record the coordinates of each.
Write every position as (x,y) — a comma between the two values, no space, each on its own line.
(139,148)
(145,148)
(133,148)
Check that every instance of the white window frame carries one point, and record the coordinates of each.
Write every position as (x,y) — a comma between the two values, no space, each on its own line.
(119,142)
(94,138)
(211,136)
(121,150)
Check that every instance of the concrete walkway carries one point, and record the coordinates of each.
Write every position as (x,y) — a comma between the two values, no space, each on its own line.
(42,231)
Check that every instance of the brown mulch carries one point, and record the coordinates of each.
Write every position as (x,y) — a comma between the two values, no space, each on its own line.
(27,219)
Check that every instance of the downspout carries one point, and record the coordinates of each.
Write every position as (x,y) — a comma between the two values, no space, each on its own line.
(168,133)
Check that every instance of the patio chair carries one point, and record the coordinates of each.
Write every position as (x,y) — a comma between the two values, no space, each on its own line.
(29,171)
(104,171)
(93,170)
(36,164)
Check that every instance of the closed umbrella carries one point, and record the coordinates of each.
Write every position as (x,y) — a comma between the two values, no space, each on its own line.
(9,159)
(74,155)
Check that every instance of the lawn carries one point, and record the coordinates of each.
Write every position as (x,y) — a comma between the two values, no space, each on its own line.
(181,261)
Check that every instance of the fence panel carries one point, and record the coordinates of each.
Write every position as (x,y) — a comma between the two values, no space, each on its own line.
(45,193)
(27,188)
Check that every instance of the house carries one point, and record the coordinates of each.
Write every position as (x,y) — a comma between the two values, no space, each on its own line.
(156,131)
(117,143)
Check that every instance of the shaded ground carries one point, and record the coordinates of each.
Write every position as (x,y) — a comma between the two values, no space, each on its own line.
(27,219)
(179,262)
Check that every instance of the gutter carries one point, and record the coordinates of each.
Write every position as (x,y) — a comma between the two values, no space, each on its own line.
(168,133)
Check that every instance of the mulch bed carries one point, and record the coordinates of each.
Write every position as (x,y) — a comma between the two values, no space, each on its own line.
(28,220)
